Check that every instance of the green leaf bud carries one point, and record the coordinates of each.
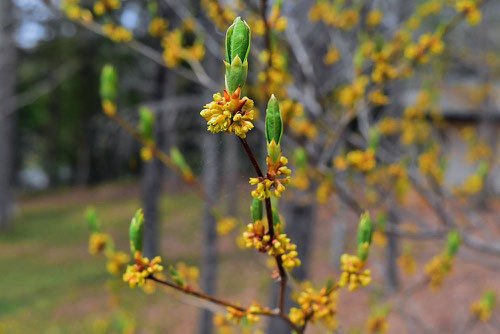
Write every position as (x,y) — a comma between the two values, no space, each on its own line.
(137,232)
(146,124)
(453,242)
(109,82)
(274,122)
(238,41)
(256,209)
(92,220)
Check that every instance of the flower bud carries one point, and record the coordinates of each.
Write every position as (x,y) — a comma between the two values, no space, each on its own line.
(256,209)
(453,241)
(274,151)
(92,220)
(274,122)
(137,232)
(238,41)
(146,124)
(179,160)
(109,80)
(237,49)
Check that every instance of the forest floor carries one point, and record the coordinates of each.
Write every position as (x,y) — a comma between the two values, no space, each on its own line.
(49,283)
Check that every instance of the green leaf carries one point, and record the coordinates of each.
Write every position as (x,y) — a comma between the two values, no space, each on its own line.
(146,123)
(453,242)
(137,232)
(238,41)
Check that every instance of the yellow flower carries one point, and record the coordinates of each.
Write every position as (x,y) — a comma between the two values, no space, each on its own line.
(362,160)
(226,225)
(352,273)
(117,262)
(117,33)
(388,126)
(158,27)
(98,242)
(316,305)
(471,11)
(147,153)
(229,114)
(374,18)
(437,269)
(378,98)
(278,176)
(332,56)
(407,263)
(109,108)
(137,273)
(189,273)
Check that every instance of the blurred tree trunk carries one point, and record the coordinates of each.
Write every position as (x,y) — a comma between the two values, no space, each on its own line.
(153,171)
(211,166)
(8,73)
(300,217)
(231,172)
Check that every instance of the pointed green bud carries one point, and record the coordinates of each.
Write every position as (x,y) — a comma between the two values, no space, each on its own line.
(489,299)
(256,209)
(274,122)
(238,41)
(374,139)
(365,229)
(136,232)
(365,232)
(109,81)
(236,74)
(176,276)
(453,242)
(92,220)
(300,157)
(146,123)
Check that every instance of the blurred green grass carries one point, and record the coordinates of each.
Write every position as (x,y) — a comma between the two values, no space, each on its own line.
(48,275)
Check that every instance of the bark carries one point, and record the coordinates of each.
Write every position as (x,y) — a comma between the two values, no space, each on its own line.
(300,218)
(153,171)
(8,74)
(209,242)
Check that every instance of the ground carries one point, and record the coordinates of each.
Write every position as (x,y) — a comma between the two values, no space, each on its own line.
(51,284)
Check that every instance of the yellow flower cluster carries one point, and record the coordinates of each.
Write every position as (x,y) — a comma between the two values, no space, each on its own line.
(73,11)
(473,184)
(333,14)
(437,269)
(351,94)
(420,52)
(229,114)
(147,153)
(378,98)
(98,242)
(407,263)
(361,160)
(353,273)
(428,163)
(117,262)
(102,6)
(158,27)
(324,191)
(278,176)
(316,305)
(275,78)
(221,16)
(374,18)
(383,72)
(236,316)
(137,273)
(174,51)
(225,225)
(109,108)
(292,113)
(117,33)
(332,56)
(483,308)
(388,126)
(255,237)
(471,11)
(189,273)
(428,8)
(377,323)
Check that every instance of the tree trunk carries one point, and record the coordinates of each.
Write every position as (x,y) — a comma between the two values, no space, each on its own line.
(209,243)
(300,217)
(8,74)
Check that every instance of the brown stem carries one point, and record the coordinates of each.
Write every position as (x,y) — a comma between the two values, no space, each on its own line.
(269,213)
